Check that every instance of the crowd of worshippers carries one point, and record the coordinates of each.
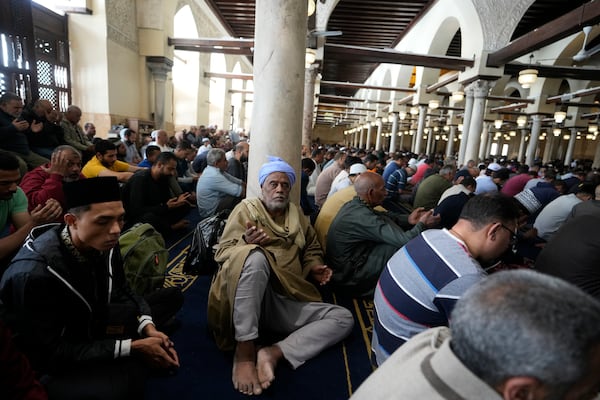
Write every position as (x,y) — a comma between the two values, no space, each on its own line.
(417,234)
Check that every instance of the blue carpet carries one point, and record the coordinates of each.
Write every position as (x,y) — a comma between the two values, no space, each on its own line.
(205,371)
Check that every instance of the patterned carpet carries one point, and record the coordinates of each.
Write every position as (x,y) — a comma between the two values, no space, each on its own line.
(206,372)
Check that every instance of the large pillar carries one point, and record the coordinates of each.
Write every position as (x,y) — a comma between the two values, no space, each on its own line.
(279,59)
(480,92)
(485,136)
(550,144)
(420,128)
(310,76)
(521,153)
(369,134)
(596,162)
(395,118)
(536,127)
(450,145)
(430,136)
(160,68)
(379,131)
(571,147)
(466,123)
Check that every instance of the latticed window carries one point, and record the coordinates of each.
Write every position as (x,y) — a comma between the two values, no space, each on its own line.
(34,53)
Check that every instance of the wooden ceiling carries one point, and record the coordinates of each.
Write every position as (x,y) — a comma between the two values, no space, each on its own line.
(377,24)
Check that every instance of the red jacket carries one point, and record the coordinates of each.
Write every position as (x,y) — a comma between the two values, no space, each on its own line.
(39,186)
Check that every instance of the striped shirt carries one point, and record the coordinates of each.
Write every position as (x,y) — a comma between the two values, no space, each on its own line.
(419,287)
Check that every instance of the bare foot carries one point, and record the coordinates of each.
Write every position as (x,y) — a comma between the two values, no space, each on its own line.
(265,364)
(244,375)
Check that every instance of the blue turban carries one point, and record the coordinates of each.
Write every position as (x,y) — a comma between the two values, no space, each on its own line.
(276,164)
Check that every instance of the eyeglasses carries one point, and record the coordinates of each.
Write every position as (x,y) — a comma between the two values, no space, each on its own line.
(513,238)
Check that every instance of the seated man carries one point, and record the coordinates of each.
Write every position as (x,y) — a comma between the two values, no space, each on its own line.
(237,166)
(360,240)
(45,182)
(74,135)
(422,281)
(502,344)
(431,188)
(147,197)
(51,135)
(151,153)
(267,253)
(216,189)
(72,310)
(13,210)
(573,254)
(13,129)
(105,163)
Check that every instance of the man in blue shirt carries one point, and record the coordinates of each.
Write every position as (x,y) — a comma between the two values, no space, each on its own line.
(216,189)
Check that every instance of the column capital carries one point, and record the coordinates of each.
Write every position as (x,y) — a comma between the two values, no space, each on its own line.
(480,88)
(159,66)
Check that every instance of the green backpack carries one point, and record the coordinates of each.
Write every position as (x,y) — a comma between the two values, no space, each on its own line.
(145,258)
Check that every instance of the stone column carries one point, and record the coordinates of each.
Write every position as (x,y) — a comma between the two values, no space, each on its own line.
(466,123)
(485,135)
(420,128)
(361,140)
(279,67)
(160,68)
(571,148)
(379,130)
(480,92)
(369,133)
(596,162)
(550,144)
(450,145)
(310,76)
(430,136)
(536,127)
(521,153)
(395,119)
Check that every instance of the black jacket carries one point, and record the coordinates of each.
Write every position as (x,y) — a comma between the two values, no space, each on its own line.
(58,305)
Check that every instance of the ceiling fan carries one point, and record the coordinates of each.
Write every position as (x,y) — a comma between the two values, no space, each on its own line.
(584,54)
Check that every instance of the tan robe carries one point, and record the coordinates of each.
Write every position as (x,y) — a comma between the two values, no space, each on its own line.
(292,252)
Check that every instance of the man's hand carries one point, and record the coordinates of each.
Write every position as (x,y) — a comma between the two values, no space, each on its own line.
(21,125)
(48,213)
(36,127)
(58,163)
(154,350)
(429,219)
(413,217)
(321,274)
(254,235)
(178,201)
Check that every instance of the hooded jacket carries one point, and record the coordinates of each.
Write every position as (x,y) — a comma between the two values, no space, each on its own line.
(58,303)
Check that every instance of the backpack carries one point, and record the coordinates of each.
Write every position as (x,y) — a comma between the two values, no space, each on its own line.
(145,258)
(200,258)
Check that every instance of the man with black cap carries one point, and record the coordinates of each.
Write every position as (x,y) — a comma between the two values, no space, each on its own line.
(268,253)
(72,310)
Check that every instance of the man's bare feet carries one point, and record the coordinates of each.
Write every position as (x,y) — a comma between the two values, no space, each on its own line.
(265,364)
(244,375)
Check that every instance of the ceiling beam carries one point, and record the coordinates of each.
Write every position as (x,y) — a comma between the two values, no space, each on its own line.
(436,86)
(568,96)
(503,98)
(509,107)
(363,86)
(343,98)
(390,56)
(228,75)
(239,43)
(224,50)
(561,27)
(548,71)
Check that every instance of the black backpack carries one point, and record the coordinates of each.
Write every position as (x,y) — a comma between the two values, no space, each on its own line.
(200,258)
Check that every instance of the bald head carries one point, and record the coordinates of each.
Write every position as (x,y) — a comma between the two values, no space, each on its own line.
(370,188)
(73,114)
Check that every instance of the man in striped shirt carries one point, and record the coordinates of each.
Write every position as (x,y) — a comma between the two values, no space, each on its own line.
(421,282)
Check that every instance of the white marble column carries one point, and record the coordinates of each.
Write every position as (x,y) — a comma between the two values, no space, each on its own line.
(481,89)
(160,68)
(418,139)
(521,153)
(279,67)
(310,76)
(485,136)
(450,145)
(466,123)
(536,127)
(571,147)
(488,148)
(596,162)
(395,119)
(549,147)
(430,137)
(369,134)
(379,131)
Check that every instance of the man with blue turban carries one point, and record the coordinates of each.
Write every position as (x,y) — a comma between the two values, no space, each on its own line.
(270,260)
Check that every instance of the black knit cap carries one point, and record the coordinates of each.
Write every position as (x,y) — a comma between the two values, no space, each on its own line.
(93,190)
